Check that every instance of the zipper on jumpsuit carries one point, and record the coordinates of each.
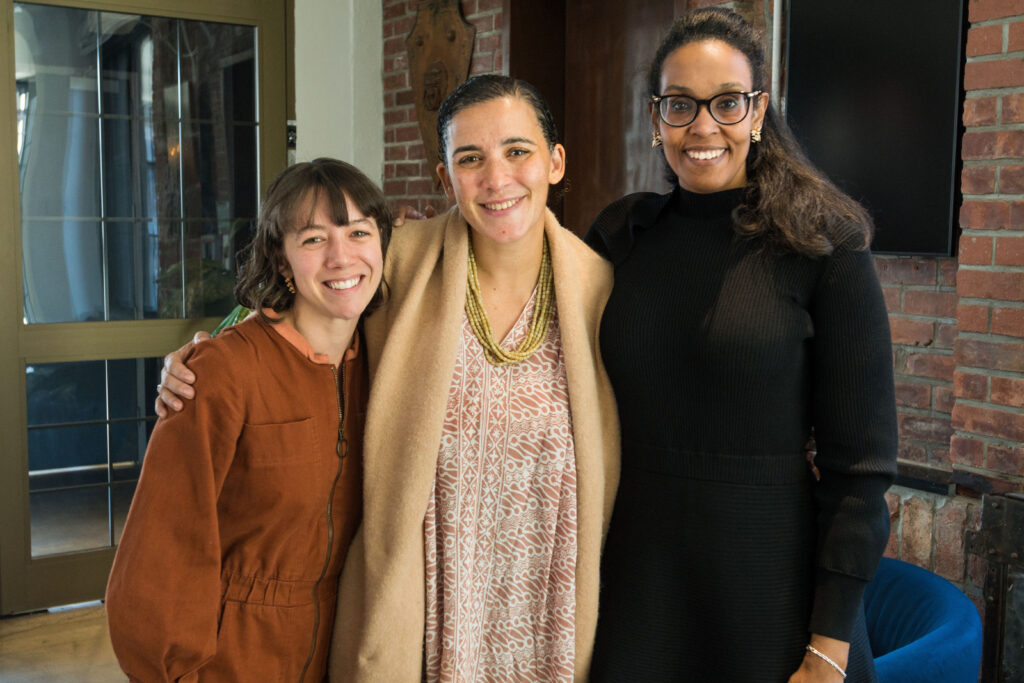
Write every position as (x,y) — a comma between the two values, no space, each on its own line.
(341,450)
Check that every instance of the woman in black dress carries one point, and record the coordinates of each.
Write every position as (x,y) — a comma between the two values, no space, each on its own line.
(746,314)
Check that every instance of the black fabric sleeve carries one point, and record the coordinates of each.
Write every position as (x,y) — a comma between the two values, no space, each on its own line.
(854,417)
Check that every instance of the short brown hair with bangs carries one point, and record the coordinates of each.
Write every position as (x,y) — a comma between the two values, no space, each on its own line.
(299,190)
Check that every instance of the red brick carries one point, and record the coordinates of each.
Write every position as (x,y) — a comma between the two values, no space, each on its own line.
(924,428)
(1016,38)
(1011,180)
(987,284)
(401,27)
(985,40)
(983,10)
(1013,108)
(999,144)
(394,188)
(950,522)
(939,457)
(396,81)
(1017,215)
(943,399)
(975,250)
(1000,424)
(484,23)
(978,180)
(394,45)
(974,353)
(911,452)
(1005,460)
(487,5)
(1008,321)
(395,152)
(911,332)
(947,272)
(938,366)
(967,451)
(394,117)
(407,133)
(906,271)
(1007,391)
(937,304)
(984,215)
(403,97)
(972,318)
(1000,73)
(945,336)
(917,531)
(1010,251)
(481,64)
(398,10)
(892,299)
(980,111)
(423,186)
(977,145)
(913,394)
(489,43)
(970,385)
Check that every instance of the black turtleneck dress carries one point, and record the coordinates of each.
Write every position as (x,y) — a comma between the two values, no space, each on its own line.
(725,552)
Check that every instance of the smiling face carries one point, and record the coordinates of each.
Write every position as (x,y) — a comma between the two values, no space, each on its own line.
(705,155)
(336,268)
(498,168)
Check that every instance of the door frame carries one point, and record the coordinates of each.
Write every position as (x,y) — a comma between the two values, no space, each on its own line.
(26,583)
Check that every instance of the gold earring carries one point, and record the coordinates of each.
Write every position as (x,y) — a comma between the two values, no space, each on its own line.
(655,139)
(755,135)
(289,284)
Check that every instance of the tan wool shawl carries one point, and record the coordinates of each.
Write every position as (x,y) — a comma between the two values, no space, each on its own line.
(379,630)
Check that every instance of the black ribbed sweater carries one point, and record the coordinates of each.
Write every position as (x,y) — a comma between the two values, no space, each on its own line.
(724,553)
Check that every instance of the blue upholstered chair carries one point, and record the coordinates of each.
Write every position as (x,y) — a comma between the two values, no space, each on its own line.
(921,627)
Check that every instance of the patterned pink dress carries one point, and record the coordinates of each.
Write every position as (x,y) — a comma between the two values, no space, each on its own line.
(500,527)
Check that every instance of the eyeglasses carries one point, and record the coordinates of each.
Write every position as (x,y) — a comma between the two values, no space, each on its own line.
(727,108)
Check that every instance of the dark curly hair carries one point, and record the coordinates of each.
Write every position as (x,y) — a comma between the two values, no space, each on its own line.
(789,202)
(297,190)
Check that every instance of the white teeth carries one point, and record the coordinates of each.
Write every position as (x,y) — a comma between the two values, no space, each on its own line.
(705,155)
(343,284)
(501,206)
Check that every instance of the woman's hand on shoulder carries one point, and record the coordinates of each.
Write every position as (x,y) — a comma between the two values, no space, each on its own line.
(407,212)
(176,379)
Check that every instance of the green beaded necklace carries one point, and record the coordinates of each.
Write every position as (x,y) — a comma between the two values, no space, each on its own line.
(538,324)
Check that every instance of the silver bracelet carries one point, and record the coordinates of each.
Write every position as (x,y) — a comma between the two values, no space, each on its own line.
(815,651)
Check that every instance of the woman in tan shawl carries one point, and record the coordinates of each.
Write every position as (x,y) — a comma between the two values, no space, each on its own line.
(491,449)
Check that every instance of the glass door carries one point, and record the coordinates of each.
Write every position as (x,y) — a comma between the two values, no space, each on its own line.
(139,137)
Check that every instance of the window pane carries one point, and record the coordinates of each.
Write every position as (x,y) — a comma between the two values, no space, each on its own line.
(56,55)
(121,500)
(63,274)
(218,69)
(219,170)
(103,118)
(141,175)
(59,393)
(133,386)
(210,249)
(69,521)
(67,456)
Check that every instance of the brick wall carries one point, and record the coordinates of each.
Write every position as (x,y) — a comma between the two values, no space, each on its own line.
(407,171)
(957,323)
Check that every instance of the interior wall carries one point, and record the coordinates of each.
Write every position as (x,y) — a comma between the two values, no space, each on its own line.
(339,94)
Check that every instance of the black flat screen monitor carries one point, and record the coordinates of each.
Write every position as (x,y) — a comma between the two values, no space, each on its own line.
(873,94)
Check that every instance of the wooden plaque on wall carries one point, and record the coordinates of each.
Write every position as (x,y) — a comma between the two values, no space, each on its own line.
(440,46)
